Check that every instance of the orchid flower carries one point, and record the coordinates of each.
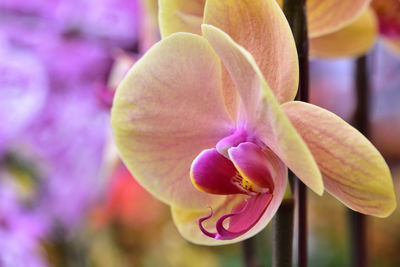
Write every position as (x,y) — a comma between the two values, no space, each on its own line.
(378,18)
(350,28)
(207,124)
(336,28)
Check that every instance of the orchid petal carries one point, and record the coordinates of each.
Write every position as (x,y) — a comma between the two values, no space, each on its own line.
(166,111)
(262,29)
(187,220)
(180,16)
(353,169)
(328,16)
(263,111)
(351,41)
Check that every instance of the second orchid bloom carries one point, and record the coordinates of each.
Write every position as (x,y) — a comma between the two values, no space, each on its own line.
(207,123)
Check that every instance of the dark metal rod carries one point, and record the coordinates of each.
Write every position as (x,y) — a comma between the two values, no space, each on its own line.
(295,11)
(282,226)
(302,248)
(358,249)
(249,253)
(357,221)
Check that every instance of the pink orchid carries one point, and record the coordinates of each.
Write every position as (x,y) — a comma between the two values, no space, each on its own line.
(208,125)
(350,28)
(336,28)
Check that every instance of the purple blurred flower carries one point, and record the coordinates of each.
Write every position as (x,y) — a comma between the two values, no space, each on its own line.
(23,88)
(20,231)
(55,58)
(115,22)
(68,134)
(112,20)
(68,137)
(37,8)
(66,130)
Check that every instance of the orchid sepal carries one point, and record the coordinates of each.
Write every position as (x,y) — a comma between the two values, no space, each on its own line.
(353,169)
(353,40)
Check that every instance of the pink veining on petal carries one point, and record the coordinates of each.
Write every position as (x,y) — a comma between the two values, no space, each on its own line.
(242,218)
(213,173)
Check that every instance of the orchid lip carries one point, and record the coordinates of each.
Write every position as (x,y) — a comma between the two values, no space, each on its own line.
(222,233)
(212,173)
(246,172)
(243,217)
(237,165)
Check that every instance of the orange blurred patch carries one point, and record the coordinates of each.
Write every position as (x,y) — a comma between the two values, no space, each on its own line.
(127,202)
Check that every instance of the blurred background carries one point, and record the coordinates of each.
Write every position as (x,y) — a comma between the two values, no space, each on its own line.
(65,197)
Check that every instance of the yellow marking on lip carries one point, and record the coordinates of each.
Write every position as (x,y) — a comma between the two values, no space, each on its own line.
(244,183)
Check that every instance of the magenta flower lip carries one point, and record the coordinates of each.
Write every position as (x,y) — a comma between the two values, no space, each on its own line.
(243,217)
(247,170)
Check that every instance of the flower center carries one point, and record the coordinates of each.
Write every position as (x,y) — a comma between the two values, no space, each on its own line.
(238,165)
(245,170)
(247,185)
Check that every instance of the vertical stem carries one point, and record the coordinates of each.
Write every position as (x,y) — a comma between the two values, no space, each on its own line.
(357,220)
(357,239)
(301,190)
(249,253)
(295,11)
(301,197)
(282,226)
(361,114)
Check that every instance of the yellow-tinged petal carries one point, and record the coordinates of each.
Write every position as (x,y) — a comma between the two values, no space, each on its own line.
(326,16)
(166,111)
(262,29)
(353,169)
(180,16)
(263,112)
(351,41)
